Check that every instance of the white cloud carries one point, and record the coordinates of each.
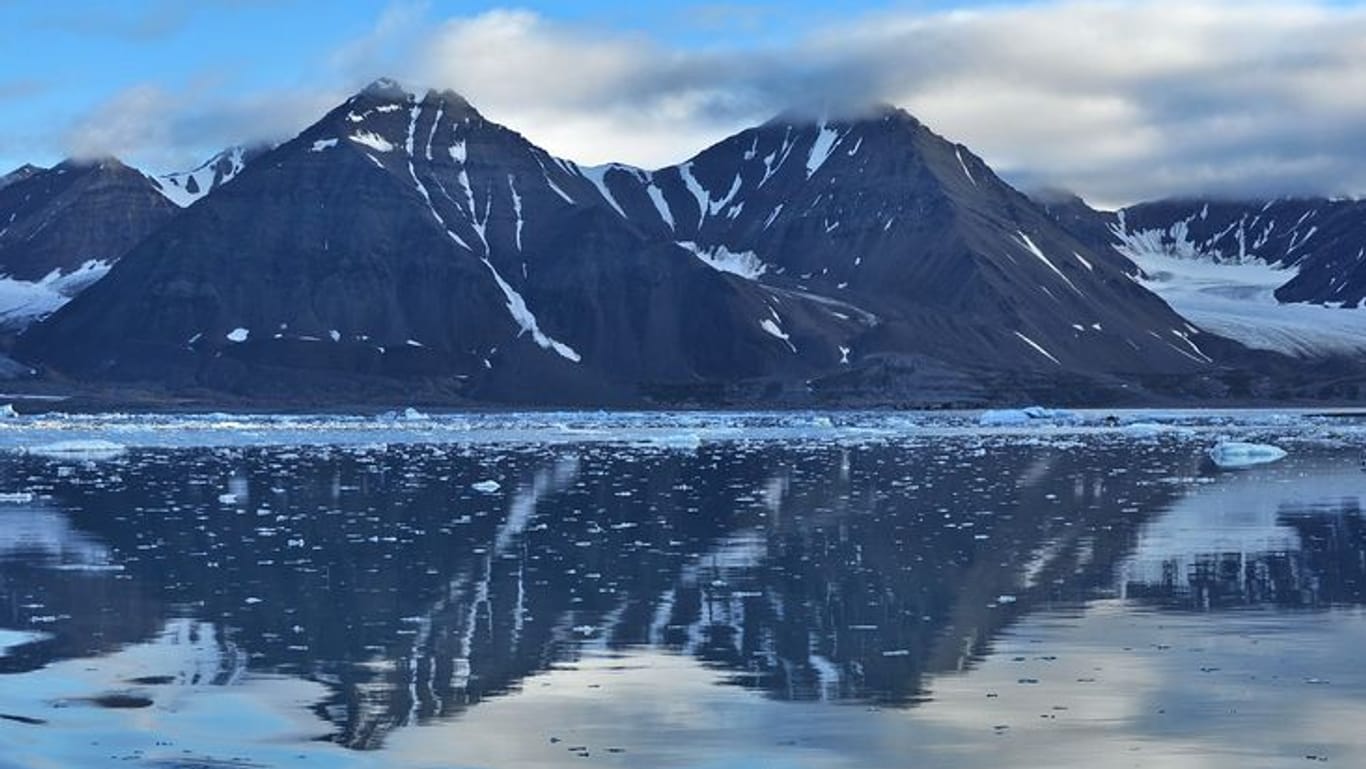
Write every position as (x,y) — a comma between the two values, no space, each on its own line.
(1120,100)
(162,130)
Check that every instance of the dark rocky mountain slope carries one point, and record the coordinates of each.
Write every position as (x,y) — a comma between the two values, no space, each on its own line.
(405,239)
(61,228)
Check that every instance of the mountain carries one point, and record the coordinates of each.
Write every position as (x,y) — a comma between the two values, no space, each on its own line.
(876,210)
(1281,275)
(186,187)
(406,237)
(410,239)
(61,228)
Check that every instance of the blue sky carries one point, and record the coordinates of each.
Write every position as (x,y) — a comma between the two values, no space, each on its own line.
(1117,99)
(62,59)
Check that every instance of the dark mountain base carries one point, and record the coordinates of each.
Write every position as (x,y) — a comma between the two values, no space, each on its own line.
(883,382)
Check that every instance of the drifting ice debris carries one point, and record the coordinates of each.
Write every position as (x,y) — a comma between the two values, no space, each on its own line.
(7,411)
(488,487)
(93,450)
(1028,416)
(1143,429)
(1231,455)
(16,497)
(227,499)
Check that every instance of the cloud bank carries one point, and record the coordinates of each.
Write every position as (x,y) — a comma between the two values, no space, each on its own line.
(1120,101)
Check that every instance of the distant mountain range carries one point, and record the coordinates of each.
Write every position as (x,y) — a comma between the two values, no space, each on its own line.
(406,244)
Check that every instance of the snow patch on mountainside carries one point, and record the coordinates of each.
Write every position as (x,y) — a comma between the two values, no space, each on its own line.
(23,302)
(372,140)
(746,264)
(821,149)
(186,187)
(1174,241)
(598,176)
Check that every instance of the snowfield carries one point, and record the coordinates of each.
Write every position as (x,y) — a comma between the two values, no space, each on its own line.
(1237,300)
(24,302)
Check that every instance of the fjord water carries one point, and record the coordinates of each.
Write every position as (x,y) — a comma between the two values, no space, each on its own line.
(679,590)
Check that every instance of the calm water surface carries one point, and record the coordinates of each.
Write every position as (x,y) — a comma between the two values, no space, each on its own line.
(690,591)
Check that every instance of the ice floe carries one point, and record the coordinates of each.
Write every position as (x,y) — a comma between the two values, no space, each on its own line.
(91,449)
(1236,454)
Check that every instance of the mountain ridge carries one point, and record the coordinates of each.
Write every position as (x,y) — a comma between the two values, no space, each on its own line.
(407,236)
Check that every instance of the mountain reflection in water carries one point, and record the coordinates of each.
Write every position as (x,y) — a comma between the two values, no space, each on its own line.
(805,572)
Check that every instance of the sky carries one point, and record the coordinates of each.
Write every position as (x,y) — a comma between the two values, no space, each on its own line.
(1118,100)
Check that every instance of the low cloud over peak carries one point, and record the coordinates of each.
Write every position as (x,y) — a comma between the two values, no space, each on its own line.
(1120,101)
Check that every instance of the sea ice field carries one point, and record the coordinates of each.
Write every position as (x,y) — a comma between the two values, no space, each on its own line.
(1025,587)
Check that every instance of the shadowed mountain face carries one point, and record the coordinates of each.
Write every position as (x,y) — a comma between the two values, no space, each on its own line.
(59,219)
(879,211)
(404,238)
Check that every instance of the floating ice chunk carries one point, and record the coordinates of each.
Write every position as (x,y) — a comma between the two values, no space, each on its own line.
(1143,429)
(80,449)
(1232,455)
(487,487)
(1026,416)
(227,499)
(683,441)
(16,497)
(1004,600)
(7,411)
(411,413)
(238,335)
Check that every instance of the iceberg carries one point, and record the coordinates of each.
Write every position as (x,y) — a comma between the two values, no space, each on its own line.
(1232,455)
